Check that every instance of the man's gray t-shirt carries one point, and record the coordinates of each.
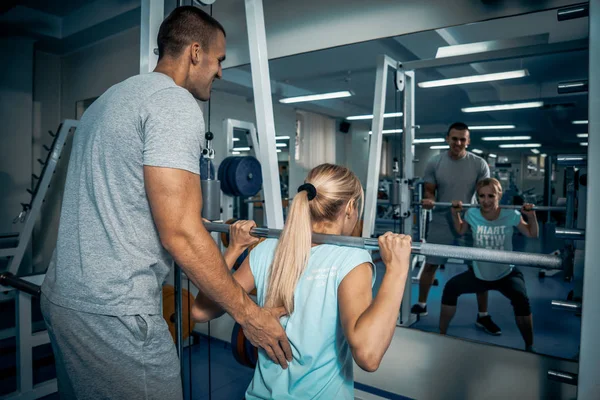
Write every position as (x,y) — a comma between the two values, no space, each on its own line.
(454,180)
(109,258)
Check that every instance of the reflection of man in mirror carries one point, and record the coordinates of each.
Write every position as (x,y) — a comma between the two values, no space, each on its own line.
(451,175)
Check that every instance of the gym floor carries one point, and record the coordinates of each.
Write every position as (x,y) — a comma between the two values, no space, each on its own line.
(556,333)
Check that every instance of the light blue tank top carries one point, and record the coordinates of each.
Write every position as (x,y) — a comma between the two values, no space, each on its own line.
(322,361)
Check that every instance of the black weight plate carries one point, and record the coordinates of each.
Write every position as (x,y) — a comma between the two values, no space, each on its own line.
(222,174)
(251,353)
(237,345)
(232,171)
(221,170)
(245,176)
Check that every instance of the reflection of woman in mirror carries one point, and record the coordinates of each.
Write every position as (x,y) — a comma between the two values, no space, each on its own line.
(492,228)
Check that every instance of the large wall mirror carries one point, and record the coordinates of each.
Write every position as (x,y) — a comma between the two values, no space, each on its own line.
(533,70)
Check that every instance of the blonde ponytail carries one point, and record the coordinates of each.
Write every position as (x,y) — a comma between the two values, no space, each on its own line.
(291,255)
(335,187)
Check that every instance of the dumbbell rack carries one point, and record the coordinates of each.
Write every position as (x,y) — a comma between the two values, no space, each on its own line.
(11,246)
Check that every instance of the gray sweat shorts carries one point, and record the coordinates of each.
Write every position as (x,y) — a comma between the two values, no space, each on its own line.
(112,357)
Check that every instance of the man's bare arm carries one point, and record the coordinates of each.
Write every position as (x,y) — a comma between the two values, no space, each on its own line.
(428,201)
(175,198)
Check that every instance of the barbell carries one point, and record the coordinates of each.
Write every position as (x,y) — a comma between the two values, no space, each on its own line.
(426,249)
(442,204)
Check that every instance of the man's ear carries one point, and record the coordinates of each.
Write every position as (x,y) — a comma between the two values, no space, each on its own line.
(195,53)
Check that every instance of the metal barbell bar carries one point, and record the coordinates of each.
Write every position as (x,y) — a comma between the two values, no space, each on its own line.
(566,305)
(10,280)
(262,201)
(425,249)
(570,234)
(507,206)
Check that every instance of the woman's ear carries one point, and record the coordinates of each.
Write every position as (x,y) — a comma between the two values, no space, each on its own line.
(350,206)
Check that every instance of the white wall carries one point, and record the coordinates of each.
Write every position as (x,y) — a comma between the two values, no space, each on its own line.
(358,156)
(342,141)
(16,107)
(90,71)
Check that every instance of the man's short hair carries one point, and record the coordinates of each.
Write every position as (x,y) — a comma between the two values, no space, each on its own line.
(185,25)
(459,126)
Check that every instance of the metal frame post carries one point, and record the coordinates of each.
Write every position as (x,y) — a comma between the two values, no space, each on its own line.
(25,356)
(589,385)
(152,15)
(179,319)
(259,63)
(548,185)
(26,340)
(406,197)
(383,62)
(570,214)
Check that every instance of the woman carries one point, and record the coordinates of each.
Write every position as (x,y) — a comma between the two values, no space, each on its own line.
(492,228)
(326,291)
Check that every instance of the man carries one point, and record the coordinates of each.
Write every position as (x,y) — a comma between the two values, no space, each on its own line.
(451,175)
(132,198)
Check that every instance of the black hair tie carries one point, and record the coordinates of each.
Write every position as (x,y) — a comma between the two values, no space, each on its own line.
(310,189)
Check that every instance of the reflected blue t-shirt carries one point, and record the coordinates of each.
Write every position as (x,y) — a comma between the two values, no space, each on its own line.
(322,361)
(497,235)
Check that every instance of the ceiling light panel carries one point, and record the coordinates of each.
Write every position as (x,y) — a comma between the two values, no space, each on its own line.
(316,97)
(386,115)
(519,145)
(490,127)
(504,138)
(386,131)
(432,140)
(504,107)
(475,79)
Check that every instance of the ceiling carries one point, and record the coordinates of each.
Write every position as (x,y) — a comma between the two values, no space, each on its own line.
(353,68)
(59,8)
